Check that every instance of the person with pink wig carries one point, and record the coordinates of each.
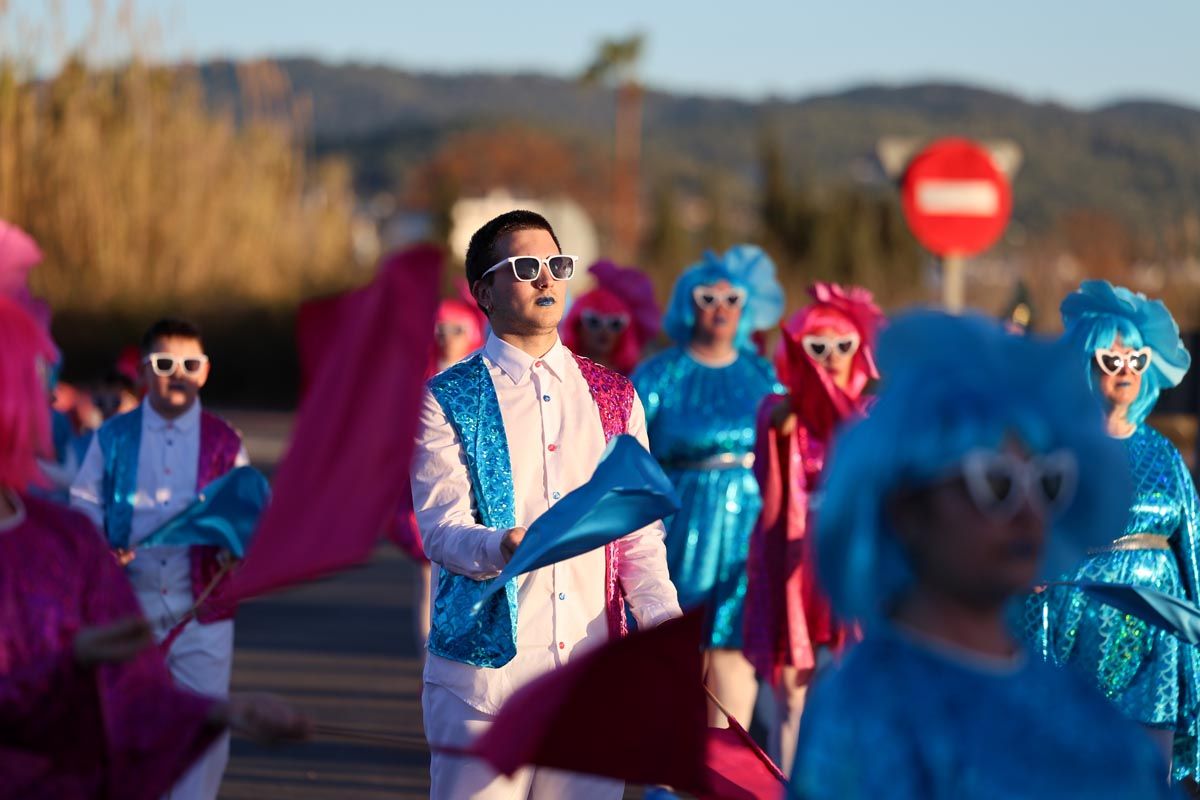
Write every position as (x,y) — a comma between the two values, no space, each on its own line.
(613,323)
(87,707)
(826,360)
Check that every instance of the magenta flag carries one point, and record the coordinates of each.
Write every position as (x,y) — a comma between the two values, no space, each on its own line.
(346,470)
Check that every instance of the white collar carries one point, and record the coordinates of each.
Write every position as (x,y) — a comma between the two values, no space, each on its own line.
(185,422)
(516,363)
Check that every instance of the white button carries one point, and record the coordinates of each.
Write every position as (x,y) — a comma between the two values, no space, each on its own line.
(562,595)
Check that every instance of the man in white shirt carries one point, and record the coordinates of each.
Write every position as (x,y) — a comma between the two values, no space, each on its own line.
(503,435)
(141,469)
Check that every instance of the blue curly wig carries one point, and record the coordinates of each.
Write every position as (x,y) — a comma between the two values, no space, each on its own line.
(745,266)
(1098,312)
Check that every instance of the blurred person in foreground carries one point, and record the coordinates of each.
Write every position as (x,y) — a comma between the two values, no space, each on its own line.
(614,322)
(502,436)
(826,359)
(701,399)
(145,467)
(984,459)
(87,707)
(1129,349)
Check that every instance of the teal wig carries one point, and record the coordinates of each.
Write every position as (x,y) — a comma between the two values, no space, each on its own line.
(951,385)
(1098,312)
(744,266)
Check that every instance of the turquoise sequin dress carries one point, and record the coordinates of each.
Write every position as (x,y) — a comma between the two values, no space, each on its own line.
(904,720)
(1149,674)
(701,421)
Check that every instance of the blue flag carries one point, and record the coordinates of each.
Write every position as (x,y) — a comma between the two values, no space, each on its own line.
(1176,615)
(224,514)
(627,491)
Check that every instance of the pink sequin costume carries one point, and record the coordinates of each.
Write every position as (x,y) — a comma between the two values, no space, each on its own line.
(118,730)
(787,614)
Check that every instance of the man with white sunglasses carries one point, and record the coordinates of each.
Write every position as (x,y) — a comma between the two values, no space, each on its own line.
(503,436)
(141,469)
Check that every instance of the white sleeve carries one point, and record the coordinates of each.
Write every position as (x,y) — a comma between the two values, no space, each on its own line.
(642,556)
(442,501)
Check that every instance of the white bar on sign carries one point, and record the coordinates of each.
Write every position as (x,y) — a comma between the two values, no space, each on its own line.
(957,198)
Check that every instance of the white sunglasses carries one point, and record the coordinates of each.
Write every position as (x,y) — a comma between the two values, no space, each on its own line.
(165,365)
(707,297)
(1112,362)
(527,268)
(615,323)
(820,348)
(999,482)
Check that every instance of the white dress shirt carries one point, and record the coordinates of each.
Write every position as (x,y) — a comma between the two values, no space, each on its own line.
(168,460)
(555,441)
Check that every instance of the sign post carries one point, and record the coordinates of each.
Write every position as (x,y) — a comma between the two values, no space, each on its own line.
(957,203)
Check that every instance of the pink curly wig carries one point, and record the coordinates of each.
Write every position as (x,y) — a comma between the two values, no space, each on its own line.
(619,290)
(627,350)
(814,395)
(25,349)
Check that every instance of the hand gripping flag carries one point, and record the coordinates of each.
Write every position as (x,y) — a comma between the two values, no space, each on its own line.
(627,491)
(224,514)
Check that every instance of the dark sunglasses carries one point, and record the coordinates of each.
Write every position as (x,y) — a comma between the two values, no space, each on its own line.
(527,268)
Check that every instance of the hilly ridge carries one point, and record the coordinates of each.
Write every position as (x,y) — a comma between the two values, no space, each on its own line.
(1137,160)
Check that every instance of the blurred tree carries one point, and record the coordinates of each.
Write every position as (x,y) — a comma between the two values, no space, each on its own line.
(615,64)
(716,234)
(667,245)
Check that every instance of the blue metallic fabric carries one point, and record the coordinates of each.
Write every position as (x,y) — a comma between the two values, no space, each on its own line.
(695,412)
(487,638)
(120,443)
(908,721)
(1149,674)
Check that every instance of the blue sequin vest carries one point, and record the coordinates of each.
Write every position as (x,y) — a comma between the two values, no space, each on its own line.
(468,399)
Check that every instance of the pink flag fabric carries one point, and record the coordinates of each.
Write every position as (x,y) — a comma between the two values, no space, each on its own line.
(633,710)
(738,769)
(345,472)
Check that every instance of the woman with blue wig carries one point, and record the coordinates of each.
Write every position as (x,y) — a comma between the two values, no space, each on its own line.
(1129,349)
(982,464)
(701,397)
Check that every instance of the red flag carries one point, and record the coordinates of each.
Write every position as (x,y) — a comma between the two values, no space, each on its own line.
(346,470)
(738,769)
(632,710)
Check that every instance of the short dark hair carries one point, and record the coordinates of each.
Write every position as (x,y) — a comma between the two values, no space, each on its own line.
(170,328)
(481,252)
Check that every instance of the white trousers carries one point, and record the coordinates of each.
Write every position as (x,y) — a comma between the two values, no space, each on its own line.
(201,659)
(451,722)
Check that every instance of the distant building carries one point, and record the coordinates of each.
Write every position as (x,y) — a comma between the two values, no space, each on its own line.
(572,224)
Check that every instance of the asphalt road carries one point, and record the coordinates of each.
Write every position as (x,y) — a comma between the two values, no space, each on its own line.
(344,651)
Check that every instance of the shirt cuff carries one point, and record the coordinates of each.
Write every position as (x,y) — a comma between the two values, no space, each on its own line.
(656,614)
(491,549)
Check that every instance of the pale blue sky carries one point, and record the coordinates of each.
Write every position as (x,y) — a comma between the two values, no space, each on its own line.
(1074,51)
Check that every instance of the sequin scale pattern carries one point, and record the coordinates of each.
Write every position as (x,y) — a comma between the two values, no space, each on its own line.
(695,412)
(1150,675)
(613,394)
(486,638)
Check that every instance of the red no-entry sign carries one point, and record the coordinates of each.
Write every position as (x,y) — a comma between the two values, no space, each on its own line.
(955,199)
